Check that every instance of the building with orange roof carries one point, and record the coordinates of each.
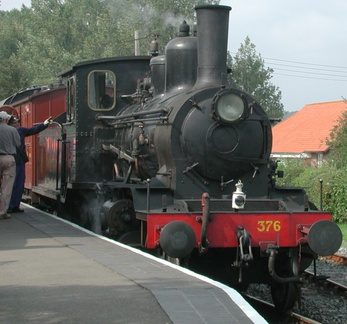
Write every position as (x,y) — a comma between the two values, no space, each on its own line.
(304,134)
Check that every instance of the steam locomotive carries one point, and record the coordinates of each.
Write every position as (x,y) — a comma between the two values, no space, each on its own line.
(158,152)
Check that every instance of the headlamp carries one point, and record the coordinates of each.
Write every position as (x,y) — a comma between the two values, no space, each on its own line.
(229,107)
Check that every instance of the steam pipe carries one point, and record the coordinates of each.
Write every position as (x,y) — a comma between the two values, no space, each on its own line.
(133,115)
(205,219)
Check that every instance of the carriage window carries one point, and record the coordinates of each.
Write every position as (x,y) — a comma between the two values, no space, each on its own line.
(101,90)
(71,90)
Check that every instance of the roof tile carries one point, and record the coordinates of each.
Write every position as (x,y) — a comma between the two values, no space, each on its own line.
(308,129)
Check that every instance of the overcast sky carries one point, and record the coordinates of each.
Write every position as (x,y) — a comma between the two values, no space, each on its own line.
(304,41)
(11,4)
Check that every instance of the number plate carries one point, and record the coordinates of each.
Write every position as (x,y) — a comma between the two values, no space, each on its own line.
(269,226)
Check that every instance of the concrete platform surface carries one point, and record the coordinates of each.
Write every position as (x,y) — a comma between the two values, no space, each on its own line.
(56,272)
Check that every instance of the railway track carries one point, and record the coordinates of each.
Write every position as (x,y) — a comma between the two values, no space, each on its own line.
(267,310)
(324,281)
(323,296)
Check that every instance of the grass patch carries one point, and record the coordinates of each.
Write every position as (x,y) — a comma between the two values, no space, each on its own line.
(343,228)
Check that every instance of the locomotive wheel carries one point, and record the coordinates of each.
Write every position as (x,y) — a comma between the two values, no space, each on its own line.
(284,296)
(122,221)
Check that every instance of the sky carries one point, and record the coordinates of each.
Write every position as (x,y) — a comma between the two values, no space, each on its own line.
(13,4)
(303,41)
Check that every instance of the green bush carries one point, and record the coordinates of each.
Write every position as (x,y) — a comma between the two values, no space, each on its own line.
(332,180)
(343,228)
(335,195)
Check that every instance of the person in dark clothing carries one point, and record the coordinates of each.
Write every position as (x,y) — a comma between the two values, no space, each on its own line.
(22,158)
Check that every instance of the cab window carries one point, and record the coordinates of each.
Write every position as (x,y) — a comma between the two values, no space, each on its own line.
(101,90)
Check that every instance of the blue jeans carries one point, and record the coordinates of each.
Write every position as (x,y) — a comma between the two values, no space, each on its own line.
(18,187)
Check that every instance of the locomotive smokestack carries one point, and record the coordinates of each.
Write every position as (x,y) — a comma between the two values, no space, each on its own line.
(212,24)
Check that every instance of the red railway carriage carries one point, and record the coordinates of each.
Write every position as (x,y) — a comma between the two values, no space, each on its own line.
(33,106)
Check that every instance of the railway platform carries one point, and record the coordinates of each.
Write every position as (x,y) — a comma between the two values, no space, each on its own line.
(52,271)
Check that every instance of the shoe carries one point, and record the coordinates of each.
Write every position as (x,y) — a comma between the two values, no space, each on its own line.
(5,216)
(15,210)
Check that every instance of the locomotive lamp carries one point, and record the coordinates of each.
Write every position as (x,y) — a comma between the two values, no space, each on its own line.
(239,197)
(229,106)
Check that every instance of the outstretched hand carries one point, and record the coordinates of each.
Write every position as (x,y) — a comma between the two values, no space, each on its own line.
(48,121)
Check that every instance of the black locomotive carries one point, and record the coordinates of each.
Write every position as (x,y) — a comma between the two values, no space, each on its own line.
(158,152)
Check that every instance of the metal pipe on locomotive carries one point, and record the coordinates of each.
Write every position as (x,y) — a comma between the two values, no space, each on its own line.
(179,163)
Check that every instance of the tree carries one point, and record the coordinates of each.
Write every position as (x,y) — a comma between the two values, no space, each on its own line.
(336,185)
(39,42)
(250,75)
(337,143)
(151,17)
(12,71)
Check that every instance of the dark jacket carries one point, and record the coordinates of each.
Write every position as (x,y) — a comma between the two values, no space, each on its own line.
(21,156)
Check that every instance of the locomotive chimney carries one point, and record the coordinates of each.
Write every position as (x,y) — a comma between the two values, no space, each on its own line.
(212,25)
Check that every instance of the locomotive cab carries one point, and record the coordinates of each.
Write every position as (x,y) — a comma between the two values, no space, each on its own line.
(92,88)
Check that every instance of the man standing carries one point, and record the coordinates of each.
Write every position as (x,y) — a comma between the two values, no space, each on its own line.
(9,142)
(22,158)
